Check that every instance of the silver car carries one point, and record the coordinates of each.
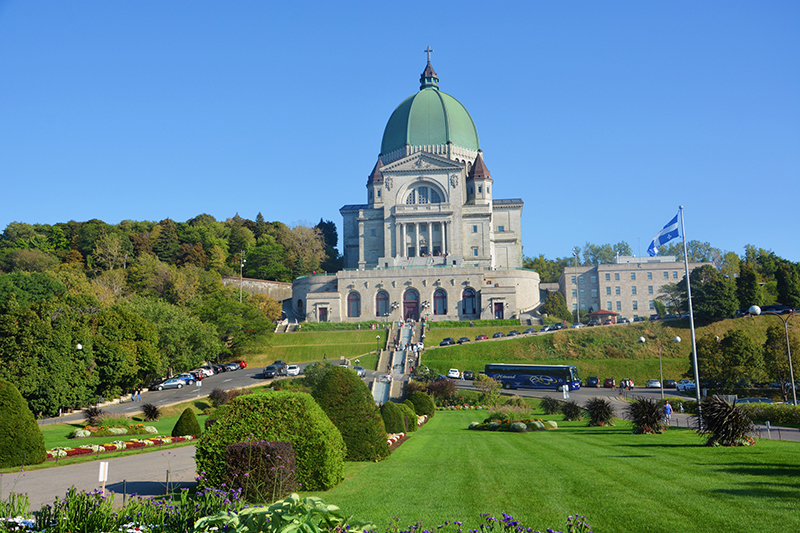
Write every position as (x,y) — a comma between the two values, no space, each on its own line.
(172,383)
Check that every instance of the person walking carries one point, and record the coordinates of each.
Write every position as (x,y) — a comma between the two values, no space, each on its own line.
(667,411)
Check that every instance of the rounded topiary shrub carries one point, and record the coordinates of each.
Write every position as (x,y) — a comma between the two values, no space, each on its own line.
(21,442)
(393,418)
(410,404)
(276,416)
(423,404)
(410,417)
(348,402)
(187,424)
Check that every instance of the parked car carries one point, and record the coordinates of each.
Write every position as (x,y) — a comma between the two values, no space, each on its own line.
(269,372)
(670,316)
(198,375)
(670,384)
(626,384)
(513,333)
(655,317)
(280,367)
(481,338)
(469,374)
(593,381)
(187,377)
(546,329)
(360,371)
(556,327)
(593,322)
(172,383)
(462,340)
(529,330)
(754,400)
(292,370)
(685,384)
(610,383)
(447,341)
(453,373)
(653,384)
(498,335)
(232,366)
(218,369)
(576,326)
(608,322)
(207,371)
(623,320)
(638,319)
(242,364)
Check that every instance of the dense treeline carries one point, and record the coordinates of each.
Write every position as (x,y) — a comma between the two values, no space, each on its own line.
(89,309)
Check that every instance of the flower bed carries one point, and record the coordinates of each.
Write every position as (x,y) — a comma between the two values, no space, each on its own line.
(461,407)
(102,431)
(517,426)
(117,445)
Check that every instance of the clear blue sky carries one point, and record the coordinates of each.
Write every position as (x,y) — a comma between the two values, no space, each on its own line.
(603,117)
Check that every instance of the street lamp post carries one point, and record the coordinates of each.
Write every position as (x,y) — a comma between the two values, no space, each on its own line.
(577,289)
(377,344)
(241,274)
(660,366)
(756,310)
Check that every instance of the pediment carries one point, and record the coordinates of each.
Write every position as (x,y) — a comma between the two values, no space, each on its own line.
(422,162)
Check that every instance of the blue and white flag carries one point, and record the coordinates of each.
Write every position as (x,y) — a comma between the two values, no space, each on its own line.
(667,233)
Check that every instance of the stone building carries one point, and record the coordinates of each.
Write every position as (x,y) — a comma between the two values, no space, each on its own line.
(431,239)
(627,286)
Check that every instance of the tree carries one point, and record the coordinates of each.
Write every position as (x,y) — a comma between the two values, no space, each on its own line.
(166,244)
(556,306)
(29,260)
(238,324)
(187,424)
(725,362)
(788,285)
(748,291)
(305,250)
(713,297)
(776,360)
(266,260)
(271,308)
(489,387)
(330,237)
(549,270)
(21,441)
(111,251)
(674,297)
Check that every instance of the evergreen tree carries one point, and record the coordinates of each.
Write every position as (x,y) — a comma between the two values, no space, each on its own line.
(187,424)
(747,289)
(556,306)
(788,285)
(166,245)
(21,441)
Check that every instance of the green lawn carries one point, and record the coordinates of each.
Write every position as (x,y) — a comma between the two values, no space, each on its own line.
(307,346)
(621,482)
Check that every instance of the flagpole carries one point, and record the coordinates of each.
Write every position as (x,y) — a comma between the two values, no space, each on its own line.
(691,325)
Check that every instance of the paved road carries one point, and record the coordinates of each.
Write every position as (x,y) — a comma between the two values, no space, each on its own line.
(144,474)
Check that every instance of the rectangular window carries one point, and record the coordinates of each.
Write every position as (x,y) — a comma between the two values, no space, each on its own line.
(474,229)
(666,275)
(619,305)
(649,289)
(674,274)
(652,305)
(574,293)
(616,276)
(501,228)
(374,256)
(608,291)
(580,280)
(608,305)
(574,306)
(617,291)
(633,291)
(475,251)
(633,276)
(649,275)
(608,276)
(594,293)
(594,280)
(480,189)
(582,295)
(635,305)
(372,233)
(573,280)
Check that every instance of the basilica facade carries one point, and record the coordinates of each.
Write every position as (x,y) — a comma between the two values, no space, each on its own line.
(431,240)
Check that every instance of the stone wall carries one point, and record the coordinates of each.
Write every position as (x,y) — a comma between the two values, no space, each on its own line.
(277,290)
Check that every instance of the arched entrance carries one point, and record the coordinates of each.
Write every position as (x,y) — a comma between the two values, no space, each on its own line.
(411,304)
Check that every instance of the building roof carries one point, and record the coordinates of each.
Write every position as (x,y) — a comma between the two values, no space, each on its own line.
(429,118)
(479,169)
(603,312)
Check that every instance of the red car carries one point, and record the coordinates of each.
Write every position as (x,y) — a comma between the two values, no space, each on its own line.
(242,364)
(481,338)
(610,383)
(608,322)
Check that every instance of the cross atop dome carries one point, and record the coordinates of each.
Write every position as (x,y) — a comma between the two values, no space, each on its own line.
(429,77)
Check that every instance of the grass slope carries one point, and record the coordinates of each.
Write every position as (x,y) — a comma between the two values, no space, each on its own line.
(621,482)
(307,346)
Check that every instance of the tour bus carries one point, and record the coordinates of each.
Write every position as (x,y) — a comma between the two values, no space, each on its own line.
(534,376)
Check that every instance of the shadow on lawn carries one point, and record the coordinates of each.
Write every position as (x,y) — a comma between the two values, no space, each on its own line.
(148,489)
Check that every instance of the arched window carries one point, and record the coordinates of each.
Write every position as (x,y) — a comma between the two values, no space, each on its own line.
(353,305)
(440,302)
(412,197)
(382,303)
(422,194)
(468,297)
(300,304)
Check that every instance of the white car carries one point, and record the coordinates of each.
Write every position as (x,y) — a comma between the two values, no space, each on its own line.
(205,370)
(653,384)
(453,373)
(292,370)
(685,384)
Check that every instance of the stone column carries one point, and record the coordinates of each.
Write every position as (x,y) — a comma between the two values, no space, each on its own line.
(444,237)
(416,239)
(430,240)
(401,241)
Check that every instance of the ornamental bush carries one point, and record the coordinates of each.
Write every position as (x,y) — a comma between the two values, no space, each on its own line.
(264,471)
(550,405)
(572,411)
(423,404)
(349,404)
(410,404)
(601,412)
(21,441)
(646,415)
(151,412)
(393,418)
(276,416)
(187,424)
(725,424)
(409,417)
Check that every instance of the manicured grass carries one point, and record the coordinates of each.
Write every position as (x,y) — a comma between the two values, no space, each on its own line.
(307,346)
(621,482)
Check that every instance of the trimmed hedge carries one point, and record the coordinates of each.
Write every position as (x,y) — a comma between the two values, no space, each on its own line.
(349,404)
(423,404)
(187,424)
(393,418)
(21,441)
(264,471)
(409,417)
(775,414)
(276,416)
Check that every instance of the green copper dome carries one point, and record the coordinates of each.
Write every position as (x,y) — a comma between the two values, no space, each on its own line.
(429,117)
